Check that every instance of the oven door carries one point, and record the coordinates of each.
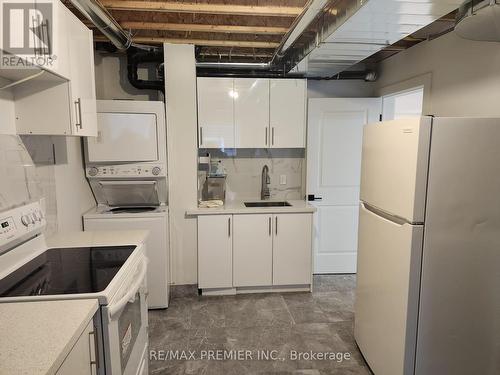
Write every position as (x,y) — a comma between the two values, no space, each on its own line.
(126,326)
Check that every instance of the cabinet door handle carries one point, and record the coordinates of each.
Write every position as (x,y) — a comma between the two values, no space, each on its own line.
(272,136)
(201,135)
(276,225)
(94,362)
(266,137)
(229,227)
(78,113)
(270,231)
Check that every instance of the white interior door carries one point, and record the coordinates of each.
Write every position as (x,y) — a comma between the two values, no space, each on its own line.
(335,136)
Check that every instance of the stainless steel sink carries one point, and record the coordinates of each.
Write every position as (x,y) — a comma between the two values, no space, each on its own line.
(267,204)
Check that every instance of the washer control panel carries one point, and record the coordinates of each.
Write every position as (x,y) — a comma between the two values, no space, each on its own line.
(20,222)
(130,170)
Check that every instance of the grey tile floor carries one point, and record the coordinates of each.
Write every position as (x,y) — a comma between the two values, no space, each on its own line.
(281,325)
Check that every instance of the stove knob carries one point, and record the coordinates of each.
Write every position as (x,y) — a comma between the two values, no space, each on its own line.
(93,171)
(25,220)
(155,171)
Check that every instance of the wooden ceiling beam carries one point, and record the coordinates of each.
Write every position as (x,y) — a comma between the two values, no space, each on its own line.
(198,42)
(229,9)
(270,30)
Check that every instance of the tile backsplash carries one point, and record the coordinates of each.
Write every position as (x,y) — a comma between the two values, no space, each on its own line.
(23,180)
(244,169)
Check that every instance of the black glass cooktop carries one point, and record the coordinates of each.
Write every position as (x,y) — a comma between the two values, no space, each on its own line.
(66,271)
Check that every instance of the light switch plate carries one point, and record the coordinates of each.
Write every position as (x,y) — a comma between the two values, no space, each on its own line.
(283,179)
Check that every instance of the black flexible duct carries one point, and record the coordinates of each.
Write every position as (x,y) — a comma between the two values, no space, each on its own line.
(135,57)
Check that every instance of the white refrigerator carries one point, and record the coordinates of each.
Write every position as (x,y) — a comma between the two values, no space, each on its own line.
(428,277)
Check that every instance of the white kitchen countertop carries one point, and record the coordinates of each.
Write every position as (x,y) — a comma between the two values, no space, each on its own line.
(238,207)
(36,337)
(98,238)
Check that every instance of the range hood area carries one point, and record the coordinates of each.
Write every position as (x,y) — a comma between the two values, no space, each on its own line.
(347,32)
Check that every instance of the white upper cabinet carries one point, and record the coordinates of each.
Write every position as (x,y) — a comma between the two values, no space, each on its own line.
(288,113)
(251,113)
(58,99)
(82,81)
(59,44)
(215,112)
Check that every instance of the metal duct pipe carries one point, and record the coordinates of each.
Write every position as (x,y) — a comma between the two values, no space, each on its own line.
(235,73)
(104,22)
(233,65)
(311,10)
(365,75)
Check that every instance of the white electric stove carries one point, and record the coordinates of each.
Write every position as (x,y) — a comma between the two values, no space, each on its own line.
(108,266)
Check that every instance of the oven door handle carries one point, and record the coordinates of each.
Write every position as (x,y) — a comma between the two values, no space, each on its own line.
(115,308)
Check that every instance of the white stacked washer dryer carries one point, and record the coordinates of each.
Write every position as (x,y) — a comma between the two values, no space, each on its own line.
(126,166)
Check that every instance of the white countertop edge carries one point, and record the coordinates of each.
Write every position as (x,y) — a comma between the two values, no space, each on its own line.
(238,207)
(98,238)
(56,358)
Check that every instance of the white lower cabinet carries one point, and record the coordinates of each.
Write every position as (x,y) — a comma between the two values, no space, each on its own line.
(252,250)
(81,360)
(292,249)
(215,251)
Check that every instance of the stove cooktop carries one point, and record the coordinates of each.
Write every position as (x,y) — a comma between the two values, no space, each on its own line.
(66,271)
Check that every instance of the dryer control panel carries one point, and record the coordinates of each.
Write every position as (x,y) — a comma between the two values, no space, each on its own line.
(126,171)
(20,223)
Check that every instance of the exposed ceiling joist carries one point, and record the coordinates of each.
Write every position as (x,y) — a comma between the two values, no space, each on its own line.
(229,9)
(271,30)
(198,42)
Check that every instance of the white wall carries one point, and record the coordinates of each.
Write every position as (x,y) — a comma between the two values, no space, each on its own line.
(73,194)
(460,77)
(7,112)
(180,92)
(340,89)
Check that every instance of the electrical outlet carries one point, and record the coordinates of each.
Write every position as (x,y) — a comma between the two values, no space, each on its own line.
(283,179)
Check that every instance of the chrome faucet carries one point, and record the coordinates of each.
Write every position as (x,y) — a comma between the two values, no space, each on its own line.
(265,181)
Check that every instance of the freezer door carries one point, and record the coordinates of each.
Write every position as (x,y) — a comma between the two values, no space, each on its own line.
(459,322)
(389,258)
(394,166)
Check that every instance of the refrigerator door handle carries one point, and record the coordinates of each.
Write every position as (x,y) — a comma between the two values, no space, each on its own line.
(387,216)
